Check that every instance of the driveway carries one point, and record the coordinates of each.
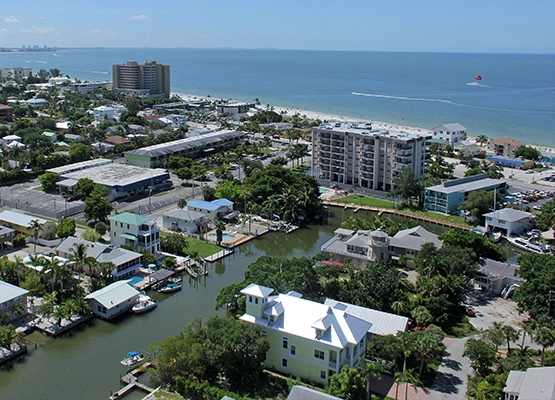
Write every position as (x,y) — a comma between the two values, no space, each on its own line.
(452,375)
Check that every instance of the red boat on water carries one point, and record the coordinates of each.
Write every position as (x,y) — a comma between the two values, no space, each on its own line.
(478,77)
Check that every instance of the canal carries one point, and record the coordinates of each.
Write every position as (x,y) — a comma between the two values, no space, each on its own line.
(86,363)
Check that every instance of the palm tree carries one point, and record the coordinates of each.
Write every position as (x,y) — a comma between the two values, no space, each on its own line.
(421,315)
(36,226)
(220,226)
(370,370)
(18,262)
(545,337)
(181,203)
(510,334)
(398,307)
(48,305)
(79,256)
(482,140)
(8,336)
(407,377)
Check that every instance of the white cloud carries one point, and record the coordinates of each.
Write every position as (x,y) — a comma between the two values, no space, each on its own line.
(141,17)
(40,30)
(11,19)
(39,18)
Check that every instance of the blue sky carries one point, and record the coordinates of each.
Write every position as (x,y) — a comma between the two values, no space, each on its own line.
(375,25)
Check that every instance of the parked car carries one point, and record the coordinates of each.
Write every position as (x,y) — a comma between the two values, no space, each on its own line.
(70,198)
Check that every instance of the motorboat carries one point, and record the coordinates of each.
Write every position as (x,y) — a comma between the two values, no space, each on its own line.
(496,236)
(171,287)
(144,304)
(133,358)
(530,245)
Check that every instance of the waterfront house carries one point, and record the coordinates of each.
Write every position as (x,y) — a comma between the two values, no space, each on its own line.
(307,339)
(450,133)
(365,246)
(183,220)
(536,383)
(136,230)
(449,195)
(509,221)
(20,223)
(113,300)
(504,147)
(11,295)
(214,209)
(126,262)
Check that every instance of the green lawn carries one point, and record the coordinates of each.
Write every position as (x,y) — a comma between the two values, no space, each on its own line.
(366,201)
(441,217)
(203,248)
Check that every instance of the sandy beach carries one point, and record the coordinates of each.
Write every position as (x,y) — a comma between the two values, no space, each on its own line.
(326,116)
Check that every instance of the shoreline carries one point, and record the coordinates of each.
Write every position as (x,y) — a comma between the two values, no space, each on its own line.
(290,111)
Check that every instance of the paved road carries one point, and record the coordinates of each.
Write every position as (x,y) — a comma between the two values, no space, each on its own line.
(452,375)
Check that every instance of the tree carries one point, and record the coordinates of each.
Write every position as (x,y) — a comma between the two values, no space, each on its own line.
(208,193)
(101,227)
(545,337)
(65,228)
(9,336)
(220,226)
(347,384)
(546,220)
(407,186)
(421,315)
(36,226)
(370,370)
(479,203)
(48,181)
(97,206)
(223,173)
(482,355)
(427,345)
(482,140)
(528,152)
(79,257)
(407,377)
(91,235)
(173,243)
(84,187)
(482,247)
(494,335)
(510,334)
(80,152)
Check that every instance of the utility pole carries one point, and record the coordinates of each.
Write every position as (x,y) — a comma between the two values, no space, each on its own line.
(551,293)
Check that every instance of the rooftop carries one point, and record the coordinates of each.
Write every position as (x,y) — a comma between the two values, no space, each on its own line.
(19,219)
(184,214)
(114,294)
(468,184)
(132,219)
(9,291)
(509,215)
(210,205)
(364,128)
(532,384)
(453,127)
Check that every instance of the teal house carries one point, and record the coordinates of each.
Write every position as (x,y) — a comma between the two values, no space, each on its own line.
(447,197)
(308,340)
(136,230)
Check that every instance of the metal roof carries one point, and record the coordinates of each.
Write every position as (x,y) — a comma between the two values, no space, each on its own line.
(185,144)
(132,219)
(19,219)
(114,294)
(468,184)
(9,291)
(509,215)
(381,323)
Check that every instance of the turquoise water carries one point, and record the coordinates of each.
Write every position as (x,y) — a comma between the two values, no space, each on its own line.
(515,99)
(135,279)
(224,236)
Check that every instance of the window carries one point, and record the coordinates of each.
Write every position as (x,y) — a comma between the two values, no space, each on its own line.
(319,354)
(293,349)
(284,362)
(121,224)
(256,300)
(250,299)
(322,374)
(285,343)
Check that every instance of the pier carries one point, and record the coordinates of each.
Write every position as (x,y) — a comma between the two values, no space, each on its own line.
(381,211)
(131,382)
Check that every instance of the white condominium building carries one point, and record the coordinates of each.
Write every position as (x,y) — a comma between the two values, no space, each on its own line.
(354,153)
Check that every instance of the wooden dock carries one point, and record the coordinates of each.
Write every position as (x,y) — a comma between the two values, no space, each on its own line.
(381,211)
(219,255)
(132,383)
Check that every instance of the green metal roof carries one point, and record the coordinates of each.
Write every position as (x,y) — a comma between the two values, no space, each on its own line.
(128,236)
(130,218)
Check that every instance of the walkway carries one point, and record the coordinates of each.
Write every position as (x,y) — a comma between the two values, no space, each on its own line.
(452,375)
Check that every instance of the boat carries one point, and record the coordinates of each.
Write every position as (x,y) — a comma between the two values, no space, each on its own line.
(171,287)
(133,358)
(530,245)
(144,303)
(496,237)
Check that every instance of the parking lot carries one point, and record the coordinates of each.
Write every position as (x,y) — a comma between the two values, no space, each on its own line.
(494,309)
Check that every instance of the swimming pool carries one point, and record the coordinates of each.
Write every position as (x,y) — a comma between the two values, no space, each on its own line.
(135,279)
(224,236)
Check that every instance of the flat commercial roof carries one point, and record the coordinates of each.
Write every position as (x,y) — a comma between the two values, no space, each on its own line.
(116,174)
(471,183)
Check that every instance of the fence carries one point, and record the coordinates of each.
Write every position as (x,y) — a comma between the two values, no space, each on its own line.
(67,211)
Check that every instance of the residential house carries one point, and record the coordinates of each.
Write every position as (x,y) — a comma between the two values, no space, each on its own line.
(126,262)
(214,209)
(8,139)
(504,147)
(11,295)
(183,220)
(299,392)
(467,148)
(6,236)
(53,136)
(449,195)
(307,339)
(495,276)
(71,137)
(113,300)
(536,383)
(35,103)
(509,221)
(136,230)
(6,112)
(451,133)
(103,113)
(381,323)
(234,108)
(364,246)
(20,223)
(115,140)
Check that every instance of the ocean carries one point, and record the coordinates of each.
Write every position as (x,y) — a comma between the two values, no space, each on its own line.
(515,98)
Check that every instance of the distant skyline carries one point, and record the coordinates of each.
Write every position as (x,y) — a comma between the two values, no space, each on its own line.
(508,26)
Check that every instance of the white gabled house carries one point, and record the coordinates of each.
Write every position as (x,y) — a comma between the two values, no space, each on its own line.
(113,300)
(308,340)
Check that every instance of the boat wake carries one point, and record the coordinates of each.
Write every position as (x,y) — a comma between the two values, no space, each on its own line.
(95,72)
(452,103)
(477,84)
